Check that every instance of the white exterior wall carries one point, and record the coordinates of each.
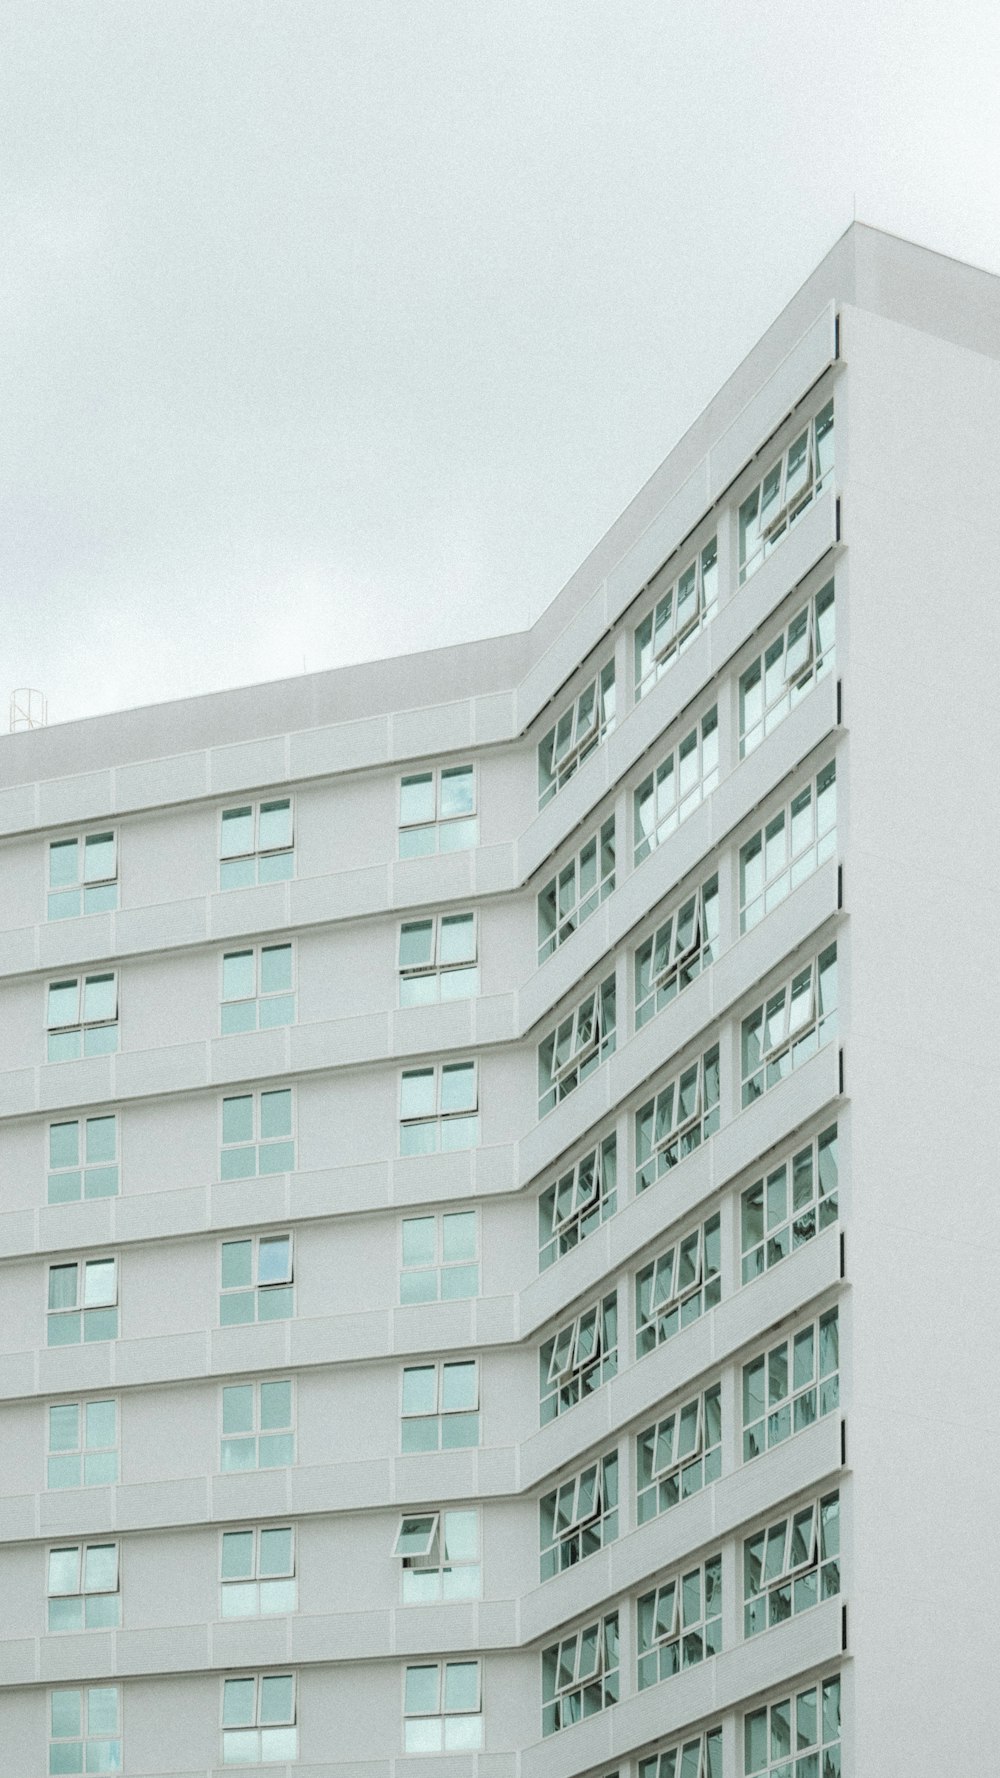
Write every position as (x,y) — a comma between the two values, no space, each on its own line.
(914,396)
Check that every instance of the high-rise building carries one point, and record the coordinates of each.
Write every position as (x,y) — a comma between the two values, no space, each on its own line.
(476,1131)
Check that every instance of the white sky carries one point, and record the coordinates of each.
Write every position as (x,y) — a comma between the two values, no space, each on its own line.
(335,328)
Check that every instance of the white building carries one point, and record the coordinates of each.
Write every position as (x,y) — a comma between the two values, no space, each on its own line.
(498,1205)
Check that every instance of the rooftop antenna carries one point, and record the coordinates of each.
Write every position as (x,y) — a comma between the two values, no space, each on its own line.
(29,708)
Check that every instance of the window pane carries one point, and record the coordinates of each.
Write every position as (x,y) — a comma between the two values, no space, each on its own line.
(458,1386)
(416,798)
(416,944)
(275,829)
(101,1140)
(422,1687)
(237,1119)
(461,1536)
(416,1097)
(275,1114)
(237,832)
(99,1287)
(64,1570)
(457,791)
(237,1703)
(458,938)
(276,1698)
(100,1570)
(64,1001)
(237,1408)
(420,1389)
(275,1405)
(275,969)
(461,1685)
(276,1551)
(98,857)
(99,1424)
(64,1427)
(237,1555)
(64,1145)
(419,1241)
(62,1287)
(458,1230)
(63,869)
(237,1264)
(238,975)
(274,1259)
(100,998)
(458,1086)
(67,1713)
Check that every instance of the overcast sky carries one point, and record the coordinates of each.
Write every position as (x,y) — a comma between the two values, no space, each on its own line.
(336,328)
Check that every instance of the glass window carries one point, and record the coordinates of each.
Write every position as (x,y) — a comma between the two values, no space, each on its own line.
(83,1587)
(442,1707)
(577,890)
(797,1735)
(802,654)
(82,1017)
(672,957)
(578,1359)
(440,1408)
(789,1204)
(257,1425)
(83,1159)
(256,1280)
(258,1719)
(680,1622)
(682,1114)
(438,1108)
(83,1444)
(256,844)
(789,847)
(581,1041)
(791,484)
(675,787)
(579,1516)
(580,1674)
(790,1025)
(258,989)
(257,1134)
(678,1286)
(85,1729)
(437,811)
(791,1564)
(439,1256)
(257,1575)
(439,1553)
(578,730)
(437,959)
(83,875)
(689,602)
(679,1454)
(699,1756)
(793,1384)
(83,1301)
(579,1201)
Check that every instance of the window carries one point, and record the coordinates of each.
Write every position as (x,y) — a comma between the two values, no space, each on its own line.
(675,787)
(255,844)
(791,1564)
(685,944)
(258,1719)
(679,1455)
(700,1757)
(580,1674)
(82,1017)
(439,1552)
(678,1286)
(790,1026)
(257,1425)
(83,1159)
(437,811)
(678,1119)
(257,989)
(580,1043)
(580,727)
(438,1108)
(439,1259)
(258,1571)
(83,1444)
(689,602)
(83,1587)
(577,890)
(256,1280)
(257,1134)
(579,1517)
(793,1384)
(790,485)
(83,875)
(442,1707)
(788,1205)
(441,1405)
(85,1729)
(579,1201)
(788,848)
(797,1737)
(680,1622)
(579,1358)
(83,1301)
(802,654)
(437,959)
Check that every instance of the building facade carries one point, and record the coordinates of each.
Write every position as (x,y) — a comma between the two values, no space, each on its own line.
(475,1130)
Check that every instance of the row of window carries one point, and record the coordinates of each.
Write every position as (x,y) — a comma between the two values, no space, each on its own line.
(794,1736)
(784,1389)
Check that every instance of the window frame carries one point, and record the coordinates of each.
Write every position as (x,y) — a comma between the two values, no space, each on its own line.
(820,613)
(797,867)
(80,1262)
(439,1119)
(689,934)
(437,971)
(83,1166)
(256,1579)
(438,821)
(112,1741)
(258,1431)
(440,1267)
(703,1288)
(584,1532)
(257,1727)
(82,1592)
(81,1448)
(257,1142)
(777,1591)
(705,728)
(788,506)
(259,1291)
(602,1677)
(705,1746)
(793,1222)
(796,1039)
(254,855)
(568,918)
(586,1213)
(435,1560)
(680,1136)
(557,762)
(684,1642)
(775,1765)
(782,1406)
(595,1015)
(81,1025)
(568,1366)
(440,1414)
(259,998)
(668,1482)
(441,1713)
(679,635)
(83,884)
